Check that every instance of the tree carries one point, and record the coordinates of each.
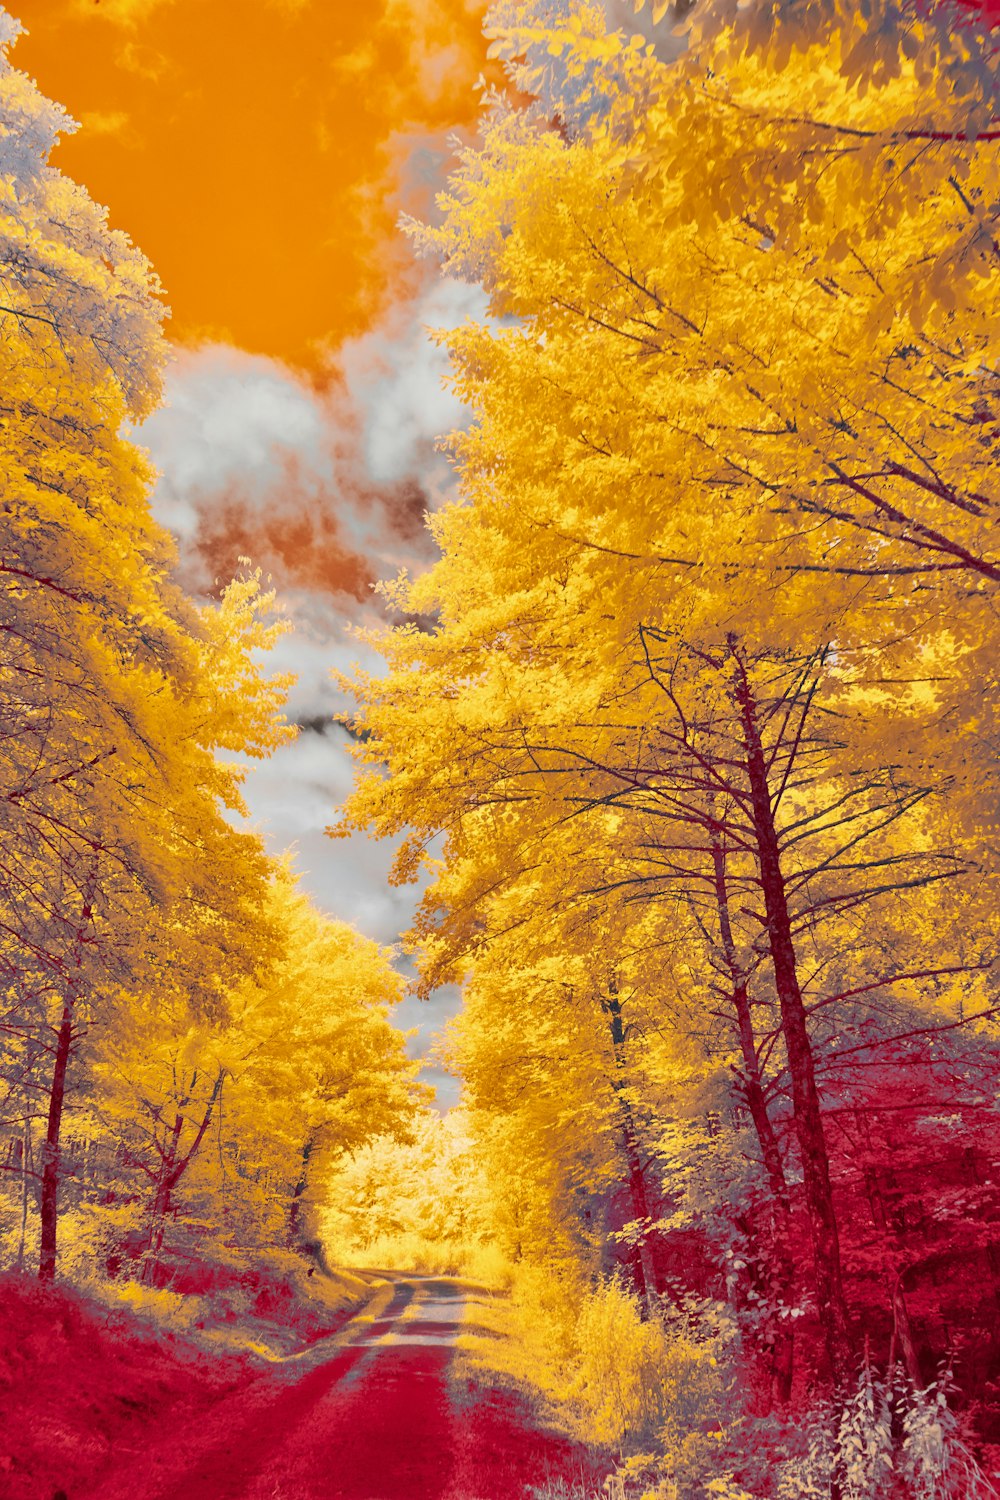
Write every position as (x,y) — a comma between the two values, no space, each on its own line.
(114,690)
(662,593)
(297,1064)
(406,1202)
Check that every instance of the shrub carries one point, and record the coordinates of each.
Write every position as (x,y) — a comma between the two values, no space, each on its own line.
(886,1441)
(621,1366)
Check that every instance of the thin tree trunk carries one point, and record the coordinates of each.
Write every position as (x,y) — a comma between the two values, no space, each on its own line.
(173,1169)
(50,1151)
(49,1197)
(25,1145)
(805,1096)
(752,1085)
(782,1338)
(902,1333)
(643,1266)
(296,1205)
(161,1199)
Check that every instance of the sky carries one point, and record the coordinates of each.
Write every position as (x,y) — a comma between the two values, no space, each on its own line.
(260,152)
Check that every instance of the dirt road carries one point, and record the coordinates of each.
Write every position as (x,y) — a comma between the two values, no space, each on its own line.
(375,1414)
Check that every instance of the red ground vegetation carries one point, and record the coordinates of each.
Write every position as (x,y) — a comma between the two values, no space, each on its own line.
(77,1378)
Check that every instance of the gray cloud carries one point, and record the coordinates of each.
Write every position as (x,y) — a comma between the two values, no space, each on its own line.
(395,377)
(325,485)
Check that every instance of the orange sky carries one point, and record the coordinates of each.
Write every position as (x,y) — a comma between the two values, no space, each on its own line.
(246,145)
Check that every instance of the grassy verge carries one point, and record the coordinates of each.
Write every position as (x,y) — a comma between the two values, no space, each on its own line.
(87,1372)
(494,1355)
(659,1405)
(268,1303)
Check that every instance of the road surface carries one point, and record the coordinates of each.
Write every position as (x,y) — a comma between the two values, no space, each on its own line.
(369,1415)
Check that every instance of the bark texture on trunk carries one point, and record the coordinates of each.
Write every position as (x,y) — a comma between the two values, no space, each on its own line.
(643,1264)
(295,1208)
(781,1351)
(798,1048)
(49,1203)
(25,1157)
(902,1335)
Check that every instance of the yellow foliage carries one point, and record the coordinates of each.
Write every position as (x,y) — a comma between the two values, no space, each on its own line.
(231,1117)
(413,1200)
(618,1378)
(700,740)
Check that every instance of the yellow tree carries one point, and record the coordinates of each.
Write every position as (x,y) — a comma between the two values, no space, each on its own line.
(114,690)
(182,885)
(320,1035)
(845,158)
(291,1067)
(661,452)
(413,1201)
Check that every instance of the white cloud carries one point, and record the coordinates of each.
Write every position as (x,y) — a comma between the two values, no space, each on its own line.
(325,486)
(232,418)
(319,640)
(395,378)
(248,461)
(292,798)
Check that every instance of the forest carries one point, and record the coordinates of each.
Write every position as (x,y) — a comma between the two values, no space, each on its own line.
(185,1038)
(700,751)
(689,736)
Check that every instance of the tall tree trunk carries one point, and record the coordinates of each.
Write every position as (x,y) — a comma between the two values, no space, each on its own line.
(161,1200)
(643,1265)
(50,1151)
(25,1145)
(782,1334)
(295,1208)
(49,1197)
(751,1083)
(798,1048)
(902,1335)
